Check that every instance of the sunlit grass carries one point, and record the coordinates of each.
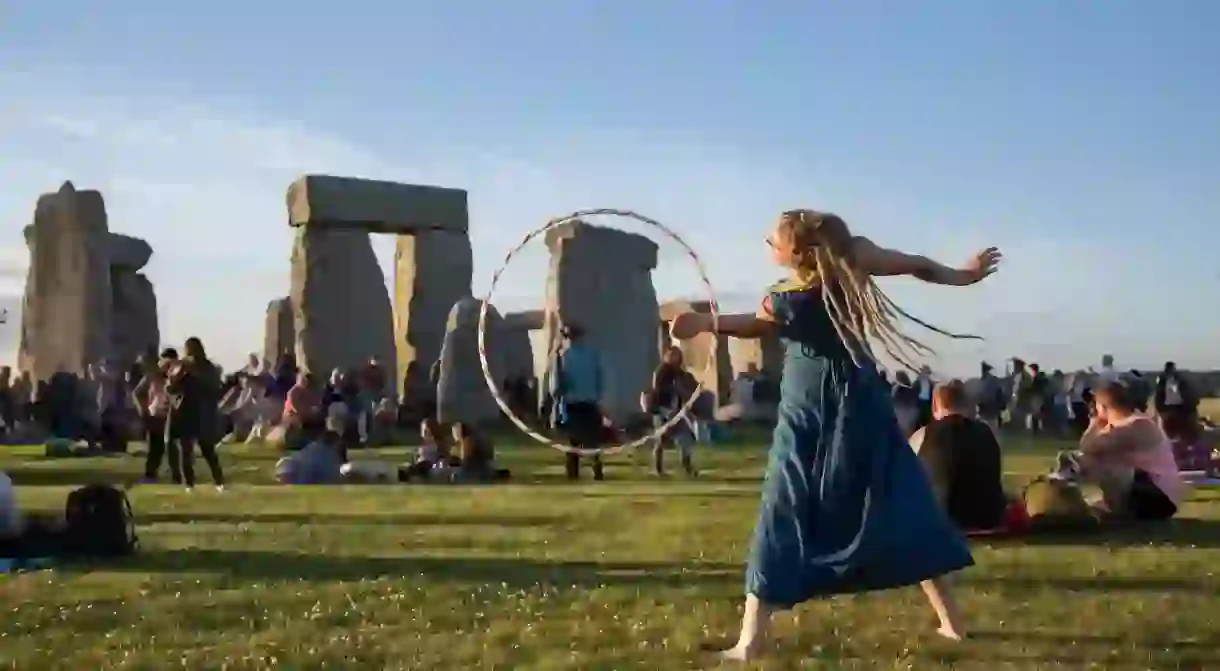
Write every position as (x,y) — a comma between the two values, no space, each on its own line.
(632,573)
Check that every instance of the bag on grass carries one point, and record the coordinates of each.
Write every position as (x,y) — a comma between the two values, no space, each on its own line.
(1053,503)
(99,523)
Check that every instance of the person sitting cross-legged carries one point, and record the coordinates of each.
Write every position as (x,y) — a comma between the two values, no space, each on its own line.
(962,457)
(1127,455)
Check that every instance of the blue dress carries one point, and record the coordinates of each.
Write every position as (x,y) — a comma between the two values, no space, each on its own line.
(846,505)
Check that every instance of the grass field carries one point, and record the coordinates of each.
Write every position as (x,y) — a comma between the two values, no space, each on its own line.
(632,573)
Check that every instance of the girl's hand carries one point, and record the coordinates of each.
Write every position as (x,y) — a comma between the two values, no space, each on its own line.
(982,265)
(689,325)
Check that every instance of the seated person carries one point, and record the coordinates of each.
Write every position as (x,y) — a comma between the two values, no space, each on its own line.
(319,462)
(1128,456)
(304,402)
(962,458)
(433,452)
(477,456)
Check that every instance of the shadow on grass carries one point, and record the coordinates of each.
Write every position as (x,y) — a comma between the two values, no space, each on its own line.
(370,519)
(514,573)
(70,477)
(1108,584)
(1066,649)
(1178,532)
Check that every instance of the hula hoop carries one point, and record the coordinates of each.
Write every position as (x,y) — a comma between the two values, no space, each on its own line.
(486,302)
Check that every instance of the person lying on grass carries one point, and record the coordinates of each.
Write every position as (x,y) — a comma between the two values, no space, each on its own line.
(1128,456)
(962,457)
(319,462)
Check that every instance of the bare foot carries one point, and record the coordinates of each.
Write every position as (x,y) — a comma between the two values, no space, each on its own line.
(947,631)
(741,653)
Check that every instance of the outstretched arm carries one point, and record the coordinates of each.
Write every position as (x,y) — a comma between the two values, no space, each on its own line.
(880,261)
(760,324)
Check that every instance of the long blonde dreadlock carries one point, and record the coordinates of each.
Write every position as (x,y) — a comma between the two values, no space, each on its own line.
(862,315)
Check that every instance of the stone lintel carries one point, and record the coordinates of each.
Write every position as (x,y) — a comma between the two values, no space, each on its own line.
(376,206)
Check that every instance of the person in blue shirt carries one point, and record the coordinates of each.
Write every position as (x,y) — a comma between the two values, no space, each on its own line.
(577,382)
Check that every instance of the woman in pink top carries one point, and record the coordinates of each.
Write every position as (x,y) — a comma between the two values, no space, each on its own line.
(1128,455)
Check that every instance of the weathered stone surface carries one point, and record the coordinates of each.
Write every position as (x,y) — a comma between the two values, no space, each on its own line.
(66,321)
(135,329)
(124,251)
(462,394)
(341,310)
(432,271)
(528,320)
(764,356)
(128,252)
(374,206)
(516,344)
(279,331)
(601,280)
(698,351)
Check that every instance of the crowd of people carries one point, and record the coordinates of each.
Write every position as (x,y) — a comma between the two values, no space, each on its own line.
(869,483)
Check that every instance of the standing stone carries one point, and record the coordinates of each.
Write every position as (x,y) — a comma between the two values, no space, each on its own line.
(433,270)
(462,394)
(433,262)
(764,356)
(279,332)
(134,318)
(341,310)
(516,343)
(601,280)
(128,252)
(698,351)
(66,307)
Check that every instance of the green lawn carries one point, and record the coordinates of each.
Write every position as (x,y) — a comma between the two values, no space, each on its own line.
(632,573)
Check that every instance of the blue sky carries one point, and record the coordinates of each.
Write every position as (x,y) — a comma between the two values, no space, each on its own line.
(1082,137)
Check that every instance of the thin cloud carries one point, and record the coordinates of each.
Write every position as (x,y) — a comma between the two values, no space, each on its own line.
(204,184)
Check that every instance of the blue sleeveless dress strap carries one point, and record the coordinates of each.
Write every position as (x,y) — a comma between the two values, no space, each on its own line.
(846,504)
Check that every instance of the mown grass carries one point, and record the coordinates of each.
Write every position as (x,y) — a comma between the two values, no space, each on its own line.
(631,573)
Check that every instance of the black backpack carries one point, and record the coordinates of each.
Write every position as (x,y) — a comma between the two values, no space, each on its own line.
(99,523)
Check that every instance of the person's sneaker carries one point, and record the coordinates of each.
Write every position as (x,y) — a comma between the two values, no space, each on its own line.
(220,488)
(188,489)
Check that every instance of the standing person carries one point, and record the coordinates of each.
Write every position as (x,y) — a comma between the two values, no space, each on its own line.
(990,400)
(923,397)
(846,504)
(23,396)
(577,383)
(906,402)
(1078,402)
(194,389)
(151,399)
(8,401)
(672,386)
(1176,403)
(1019,382)
(1108,372)
(1056,409)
